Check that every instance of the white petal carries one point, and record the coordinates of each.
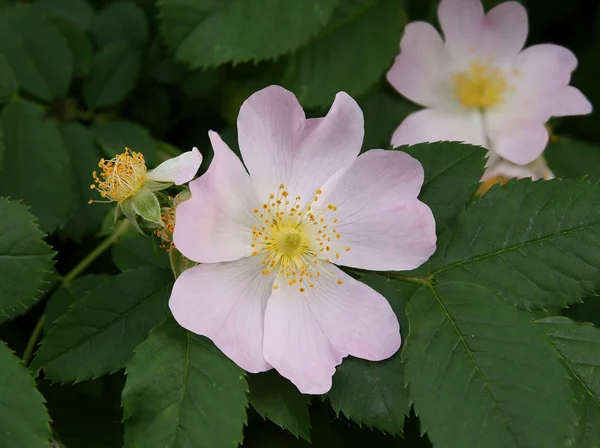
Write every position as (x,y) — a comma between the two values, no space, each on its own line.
(179,170)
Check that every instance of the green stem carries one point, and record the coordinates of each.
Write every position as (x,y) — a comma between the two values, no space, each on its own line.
(120,229)
(35,335)
(405,278)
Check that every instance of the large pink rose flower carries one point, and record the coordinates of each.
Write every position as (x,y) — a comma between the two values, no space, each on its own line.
(267,292)
(479,85)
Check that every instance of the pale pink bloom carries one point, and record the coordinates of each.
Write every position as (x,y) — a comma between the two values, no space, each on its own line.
(268,293)
(479,85)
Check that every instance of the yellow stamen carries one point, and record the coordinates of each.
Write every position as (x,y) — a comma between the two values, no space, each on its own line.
(121,177)
(482,85)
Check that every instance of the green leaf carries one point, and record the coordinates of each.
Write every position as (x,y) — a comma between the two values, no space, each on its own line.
(79,44)
(373,393)
(135,250)
(115,69)
(182,392)
(481,374)
(384,110)
(24,259)
(350,55)
(115,136)
(278,400)
(36,51)
(207,33)
(85,154)
(99,332)
(535,243)
(121,22)
(78,12)
(452,174)
(568,157)
(67,295)
(36,167)
(24,422)
(8,81)
(579,347)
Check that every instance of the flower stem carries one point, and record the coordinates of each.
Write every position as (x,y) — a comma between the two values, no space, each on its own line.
(120,229)
(35,335)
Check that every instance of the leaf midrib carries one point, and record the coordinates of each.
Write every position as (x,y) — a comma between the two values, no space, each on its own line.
(104,327)
(475,363)
(515,247)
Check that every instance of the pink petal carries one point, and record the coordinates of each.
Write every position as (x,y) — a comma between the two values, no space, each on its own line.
(380,220)
(469,33)
(505,30)
(460,21)
(226,302)
(179,170)
(519,140)
(308,333)
(216,223)
(544,66)
(433,125)
(566,101)
(280,146)
(421,72)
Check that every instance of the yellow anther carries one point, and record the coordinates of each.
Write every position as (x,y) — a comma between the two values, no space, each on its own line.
(481,85)
(120,177)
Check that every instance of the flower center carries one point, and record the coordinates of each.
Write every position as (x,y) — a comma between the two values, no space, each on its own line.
(288,241)
(482,85)
(121,177)
(293,240)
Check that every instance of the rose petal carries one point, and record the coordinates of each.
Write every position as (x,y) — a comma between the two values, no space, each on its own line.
(470,34)
(216,223)
(379,216)
(226,302)
(520,140)
(280,146)
(460,21)
(421,70)
(179,170)
(543,66)
(308,333)
(433,125)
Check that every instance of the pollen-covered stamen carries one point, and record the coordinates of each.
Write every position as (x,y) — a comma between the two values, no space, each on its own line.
(120,177)
(482,85)
(293,238)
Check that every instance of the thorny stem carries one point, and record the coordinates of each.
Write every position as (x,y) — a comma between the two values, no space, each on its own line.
(120,229)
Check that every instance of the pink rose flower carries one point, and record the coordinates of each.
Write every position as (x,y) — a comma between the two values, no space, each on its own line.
(479,85)
(267,292)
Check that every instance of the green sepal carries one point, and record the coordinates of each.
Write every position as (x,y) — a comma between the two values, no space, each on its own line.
(128,211)
(179,263)
(146,204)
